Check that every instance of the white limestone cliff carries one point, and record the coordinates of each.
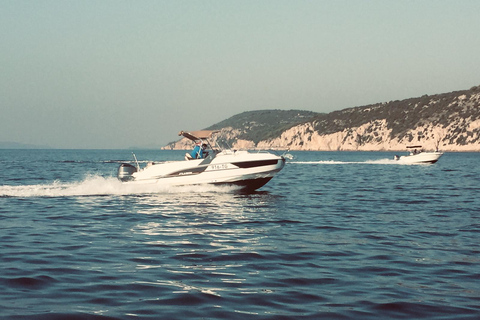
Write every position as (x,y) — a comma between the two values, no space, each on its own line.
(446,130)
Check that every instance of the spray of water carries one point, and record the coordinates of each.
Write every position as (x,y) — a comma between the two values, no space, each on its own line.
(94,185)
(379,161)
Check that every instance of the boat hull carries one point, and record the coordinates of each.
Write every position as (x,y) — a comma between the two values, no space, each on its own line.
(421,158)
(248,171)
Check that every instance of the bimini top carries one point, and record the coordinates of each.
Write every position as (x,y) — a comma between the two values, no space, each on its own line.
(415,147)
(198,135)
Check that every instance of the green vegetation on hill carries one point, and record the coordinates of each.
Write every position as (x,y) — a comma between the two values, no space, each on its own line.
(264,124)
(404,115)
(454,110)
(401,117)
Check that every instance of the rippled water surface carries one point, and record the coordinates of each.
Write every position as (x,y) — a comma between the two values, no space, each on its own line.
(333,236)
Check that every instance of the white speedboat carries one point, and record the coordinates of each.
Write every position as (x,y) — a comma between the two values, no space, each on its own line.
(417,156)
(248,170)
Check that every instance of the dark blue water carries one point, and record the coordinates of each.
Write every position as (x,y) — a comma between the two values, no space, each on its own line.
(334,236)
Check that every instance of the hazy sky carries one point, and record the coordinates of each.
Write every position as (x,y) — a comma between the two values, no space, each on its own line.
(116,74)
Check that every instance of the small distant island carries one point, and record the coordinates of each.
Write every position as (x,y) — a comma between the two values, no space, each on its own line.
(447,122)
(16,145)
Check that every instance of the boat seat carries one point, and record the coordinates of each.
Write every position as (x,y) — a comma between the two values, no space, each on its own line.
(188,156)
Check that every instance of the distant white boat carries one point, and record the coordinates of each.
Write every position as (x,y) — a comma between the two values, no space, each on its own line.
(417,156)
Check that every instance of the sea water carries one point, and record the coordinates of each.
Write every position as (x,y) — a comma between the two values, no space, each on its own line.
(335,235)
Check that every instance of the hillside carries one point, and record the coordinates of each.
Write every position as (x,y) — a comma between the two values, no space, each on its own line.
(448,121)
(264,124)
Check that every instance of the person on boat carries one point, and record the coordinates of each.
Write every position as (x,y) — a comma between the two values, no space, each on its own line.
(204,150)
(199,151)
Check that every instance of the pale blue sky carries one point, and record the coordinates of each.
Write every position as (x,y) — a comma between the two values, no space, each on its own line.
(115,74)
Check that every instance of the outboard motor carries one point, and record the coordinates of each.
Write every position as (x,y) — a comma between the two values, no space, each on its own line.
(125,172)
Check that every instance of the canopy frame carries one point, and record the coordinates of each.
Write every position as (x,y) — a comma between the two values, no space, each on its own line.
(198,135)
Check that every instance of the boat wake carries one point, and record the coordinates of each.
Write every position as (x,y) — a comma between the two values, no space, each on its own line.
(102,186)
(379,161)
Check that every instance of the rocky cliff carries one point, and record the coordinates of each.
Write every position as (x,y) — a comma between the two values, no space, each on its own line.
(448,122)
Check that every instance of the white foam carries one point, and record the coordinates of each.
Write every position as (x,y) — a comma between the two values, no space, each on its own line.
(98,185)
(318,162)
(379,161)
